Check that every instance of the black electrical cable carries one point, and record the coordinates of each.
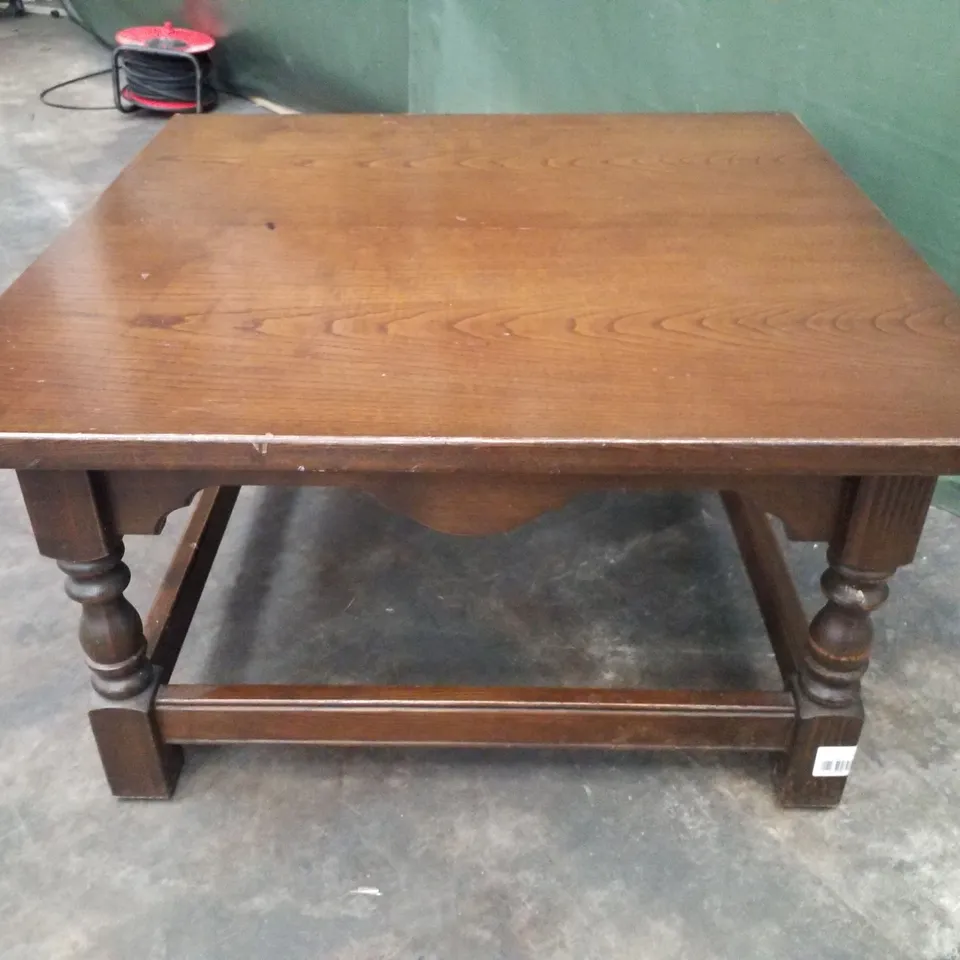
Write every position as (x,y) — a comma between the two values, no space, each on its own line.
(67,83)
(153,77)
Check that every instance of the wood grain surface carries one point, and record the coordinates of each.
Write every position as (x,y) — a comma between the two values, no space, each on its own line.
(367,292)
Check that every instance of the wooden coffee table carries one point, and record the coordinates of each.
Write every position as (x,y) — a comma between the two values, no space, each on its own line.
(476,319)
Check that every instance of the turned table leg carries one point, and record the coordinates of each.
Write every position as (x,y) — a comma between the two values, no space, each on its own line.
(878,534)
(68,518)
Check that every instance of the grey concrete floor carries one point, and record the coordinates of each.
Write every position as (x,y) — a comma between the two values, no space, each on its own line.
(366,855)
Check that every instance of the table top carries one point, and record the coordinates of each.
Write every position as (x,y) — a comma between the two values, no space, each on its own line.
(649,292)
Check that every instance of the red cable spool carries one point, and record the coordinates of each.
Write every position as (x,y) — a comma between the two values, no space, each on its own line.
(135,47)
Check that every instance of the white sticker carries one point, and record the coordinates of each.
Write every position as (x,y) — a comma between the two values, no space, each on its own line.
(833,761)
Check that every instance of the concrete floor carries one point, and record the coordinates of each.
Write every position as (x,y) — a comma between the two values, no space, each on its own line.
(365,855)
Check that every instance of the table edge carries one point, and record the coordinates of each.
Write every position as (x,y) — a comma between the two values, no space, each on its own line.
(535,455)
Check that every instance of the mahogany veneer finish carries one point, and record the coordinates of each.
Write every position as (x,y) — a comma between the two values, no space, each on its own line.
(476,319)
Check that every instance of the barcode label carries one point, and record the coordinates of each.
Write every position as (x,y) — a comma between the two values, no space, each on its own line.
(833,761)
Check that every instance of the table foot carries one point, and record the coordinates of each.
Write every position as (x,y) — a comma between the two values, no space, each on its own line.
(794,777)
(138,765)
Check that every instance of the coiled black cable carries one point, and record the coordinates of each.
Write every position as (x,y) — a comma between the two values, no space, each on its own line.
(168,79)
